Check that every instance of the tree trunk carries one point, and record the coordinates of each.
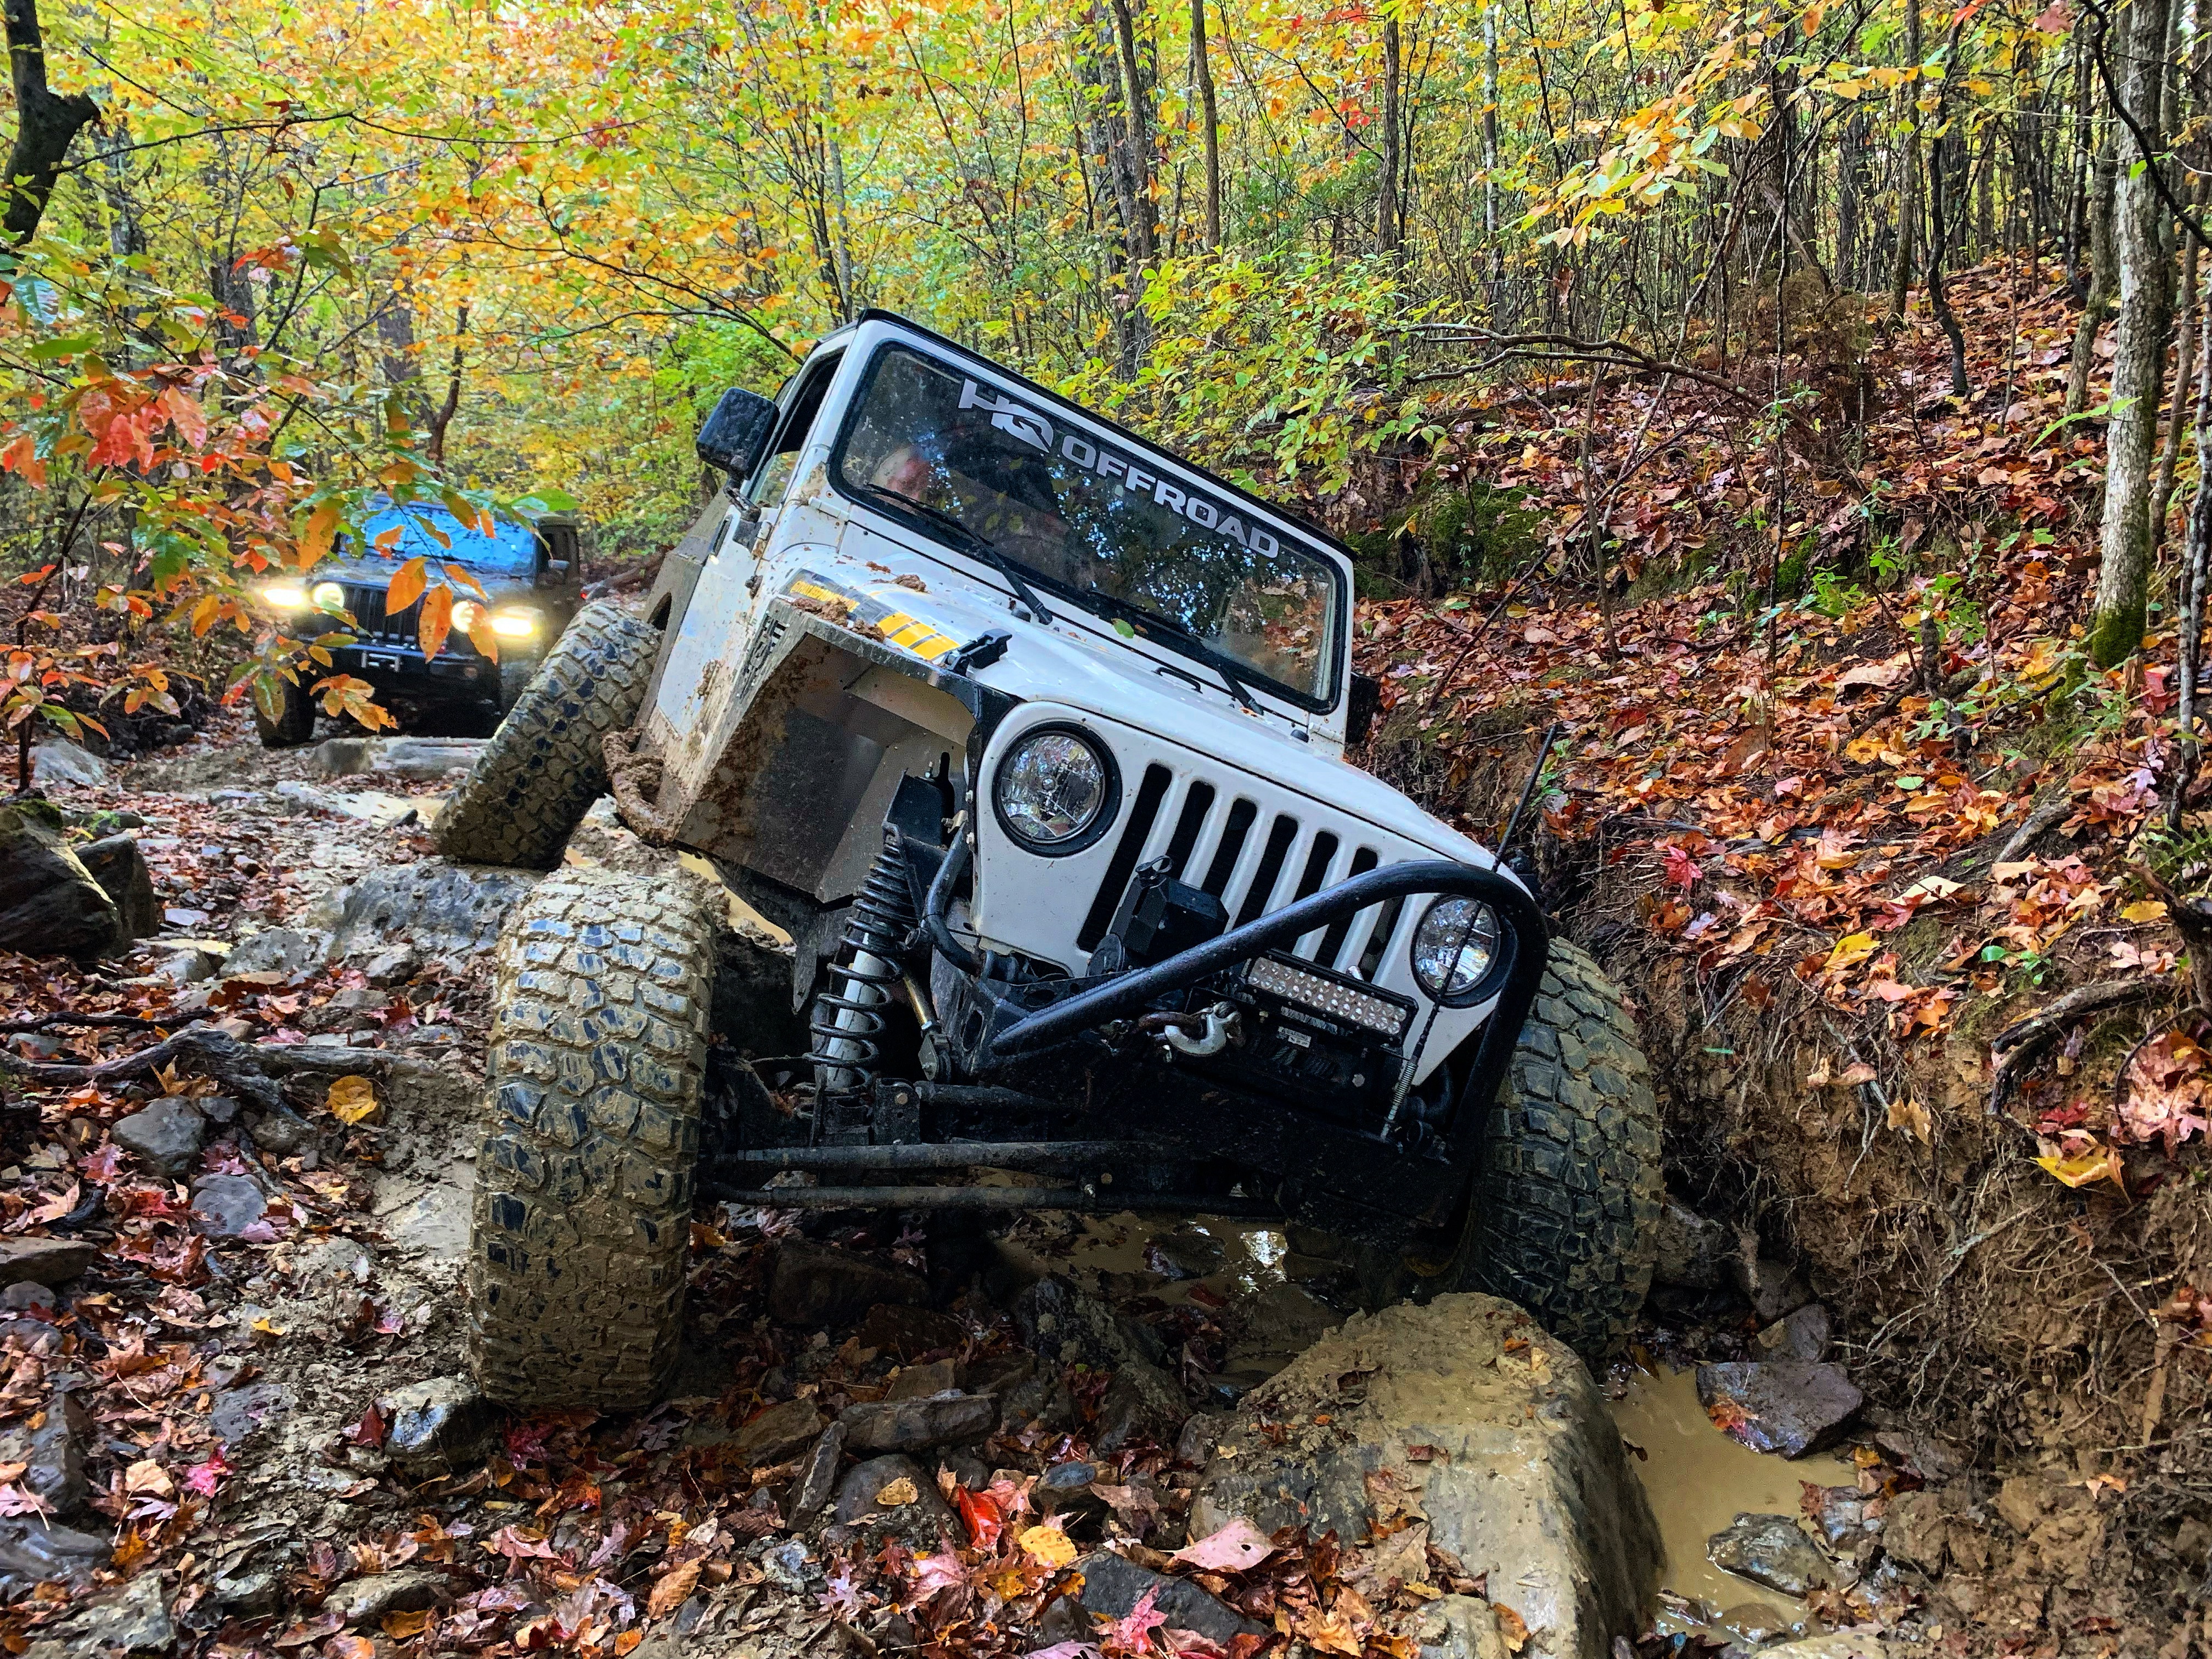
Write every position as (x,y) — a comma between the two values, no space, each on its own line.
(1210,118)
(1908,192)
(2103,274)
(1939,189)
(2162,495)
(2139,350)
(1387,230)
(47,122)
(442,421)
(2199,544)
(1489,133)
(2077,175)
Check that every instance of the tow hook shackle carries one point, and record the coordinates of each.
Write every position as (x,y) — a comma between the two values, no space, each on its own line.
(1220,1026)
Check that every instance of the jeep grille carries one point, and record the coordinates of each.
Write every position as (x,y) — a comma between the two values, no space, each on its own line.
(1218,843)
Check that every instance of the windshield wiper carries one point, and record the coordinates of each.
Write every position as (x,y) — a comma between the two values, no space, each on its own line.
(1145,621)
(981,545)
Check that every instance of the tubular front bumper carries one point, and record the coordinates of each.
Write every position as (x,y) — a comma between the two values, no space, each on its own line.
(1138,992)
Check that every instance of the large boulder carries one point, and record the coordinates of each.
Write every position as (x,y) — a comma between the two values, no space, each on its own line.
(50,905)
(1466,1414)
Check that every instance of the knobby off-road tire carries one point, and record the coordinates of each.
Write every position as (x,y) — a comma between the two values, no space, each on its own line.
(295,718)
(541,770)
(1565,1212)
(603,986)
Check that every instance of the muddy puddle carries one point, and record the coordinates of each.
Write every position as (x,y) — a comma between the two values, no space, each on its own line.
(1698,1481)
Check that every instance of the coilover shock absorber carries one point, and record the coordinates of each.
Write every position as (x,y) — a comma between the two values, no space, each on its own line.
(847,1017)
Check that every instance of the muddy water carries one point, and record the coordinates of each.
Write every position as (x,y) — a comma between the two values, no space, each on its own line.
(1699,1481)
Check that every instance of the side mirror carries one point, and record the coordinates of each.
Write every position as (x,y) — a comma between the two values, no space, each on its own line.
(1361,708)
(735,433)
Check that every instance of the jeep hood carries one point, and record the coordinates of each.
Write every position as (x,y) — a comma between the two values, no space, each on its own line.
(1080,663)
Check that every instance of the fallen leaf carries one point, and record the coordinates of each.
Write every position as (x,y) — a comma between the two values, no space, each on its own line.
(1234,1548)
(2143,910)
(1051,1546)
(1850,950)
(1906,1113)
(403,1626)
(1512,1628)
(353,1100)
(898,1494)
(671,1592)
(2100,1163)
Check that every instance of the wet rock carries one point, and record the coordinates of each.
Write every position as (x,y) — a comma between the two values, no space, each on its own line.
(1041,1400)
(283,1132)
(134,1619)
(864,1505)
(22,1297)
(364,1600)
(166,1135)
(1771,1289)
(777,1432)
(436,1425)
(905,1332)
(342,757)
(1932,1460)
(818,1478)
(53,1455)
(1112,1586)
(1460,1627)
(912,1424)
(57,761)
(250,1590)
(1067,1486)
(237,1414)
(120,869)
(1000,1373)
(374,806)
(1787,1406)
(1803,1335)
(1532,1486)
(222,1110)
(1773,1551)
(1066,1326)
(225,1206)
(392,967)
(1842,1644)
(44,1260)
(1142,1402)
(920,1382)
(1841,1517)
(1693,1251)
(188,961)
(34,1550)
(427,758)
(788,1566)
(443,910)
(1199,1436)
(50,905)
(817,1285)
(278,951)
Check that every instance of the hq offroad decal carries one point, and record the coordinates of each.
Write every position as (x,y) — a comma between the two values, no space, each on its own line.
(1018,420)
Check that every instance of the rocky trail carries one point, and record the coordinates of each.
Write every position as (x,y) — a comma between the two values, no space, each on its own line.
(236,1419)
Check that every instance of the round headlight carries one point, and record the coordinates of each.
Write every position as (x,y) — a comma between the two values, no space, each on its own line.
(286,596)
(1455,948)
(468,615)
(329,596)
(1055,790)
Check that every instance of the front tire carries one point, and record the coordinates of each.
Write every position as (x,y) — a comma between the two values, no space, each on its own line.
(1565,1208)
(543,768)
(603,990)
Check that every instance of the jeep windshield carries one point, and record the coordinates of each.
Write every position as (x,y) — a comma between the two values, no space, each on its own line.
(1093,520)
(511,549)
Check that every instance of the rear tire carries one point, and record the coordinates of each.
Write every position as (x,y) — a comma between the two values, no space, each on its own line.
(603,988)
(1565,1210)
(543,768)
(295,718)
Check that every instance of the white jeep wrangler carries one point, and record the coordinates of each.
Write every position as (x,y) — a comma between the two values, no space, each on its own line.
(1030,736)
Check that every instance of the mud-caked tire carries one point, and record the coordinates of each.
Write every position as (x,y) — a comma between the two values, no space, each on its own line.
(294,723)
(603,996)
(543,768)
(1564,1214)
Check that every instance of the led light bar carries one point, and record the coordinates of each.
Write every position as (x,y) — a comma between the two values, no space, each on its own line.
(1325,995)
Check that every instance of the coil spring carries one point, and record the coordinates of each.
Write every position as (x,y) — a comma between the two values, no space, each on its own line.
(863,977)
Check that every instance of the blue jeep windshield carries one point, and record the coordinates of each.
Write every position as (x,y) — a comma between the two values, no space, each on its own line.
(510,550)
(1094,521)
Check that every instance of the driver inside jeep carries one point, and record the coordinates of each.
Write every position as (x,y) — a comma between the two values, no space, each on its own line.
(1098,526)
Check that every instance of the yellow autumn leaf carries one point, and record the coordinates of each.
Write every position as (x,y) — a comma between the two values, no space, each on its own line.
(1850,950)
(353,1100)
(2143,910)
(268,1327)
(1862,749)
(405,1626)
(1048,1545)
(898,1494)
(2099,1163)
